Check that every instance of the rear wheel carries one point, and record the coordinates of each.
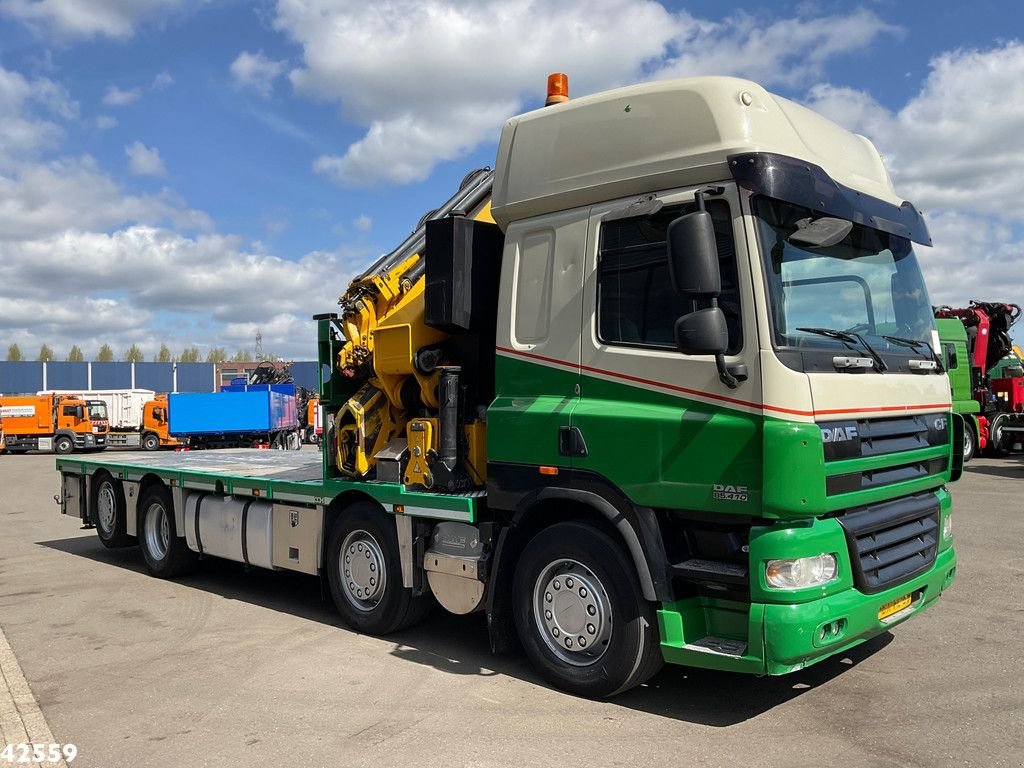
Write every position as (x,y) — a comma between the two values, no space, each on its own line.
(580,614)
(970,443)
(109,513)
(63,445)
(996,438)
(165,554)
(365,574)
(150,442)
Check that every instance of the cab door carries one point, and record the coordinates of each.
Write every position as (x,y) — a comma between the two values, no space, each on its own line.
(660,425)
(537,370)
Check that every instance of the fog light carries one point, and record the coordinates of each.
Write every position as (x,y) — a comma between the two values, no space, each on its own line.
(800,572)
(947,527)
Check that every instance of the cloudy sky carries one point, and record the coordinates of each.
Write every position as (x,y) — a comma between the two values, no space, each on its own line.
(193,172)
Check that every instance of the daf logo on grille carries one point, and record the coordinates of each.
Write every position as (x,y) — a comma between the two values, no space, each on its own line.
(839,434)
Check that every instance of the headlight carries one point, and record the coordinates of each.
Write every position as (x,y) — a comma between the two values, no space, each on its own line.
(801,572)
(947,527)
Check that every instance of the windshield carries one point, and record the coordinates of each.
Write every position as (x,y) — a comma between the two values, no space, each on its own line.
(97,411)
(869,284)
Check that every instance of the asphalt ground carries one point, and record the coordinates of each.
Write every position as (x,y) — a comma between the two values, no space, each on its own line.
(228,668)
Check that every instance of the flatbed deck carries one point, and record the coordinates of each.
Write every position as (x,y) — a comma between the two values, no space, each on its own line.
(291,476)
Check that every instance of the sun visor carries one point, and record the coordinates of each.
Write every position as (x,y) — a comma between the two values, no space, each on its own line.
(806,184)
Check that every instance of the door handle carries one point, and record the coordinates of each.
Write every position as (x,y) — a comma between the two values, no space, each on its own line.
(571,442)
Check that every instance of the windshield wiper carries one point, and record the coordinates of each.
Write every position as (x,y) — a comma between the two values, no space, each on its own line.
(916,344)
(849,337)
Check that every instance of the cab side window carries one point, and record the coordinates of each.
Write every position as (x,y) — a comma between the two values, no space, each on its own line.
(69,410)
(636,304)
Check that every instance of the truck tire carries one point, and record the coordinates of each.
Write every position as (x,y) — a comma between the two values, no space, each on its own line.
(165,554)
(970,442)
(109,512)
(580,612)
(63,445)
(996,446)
(365,573)
(150,442)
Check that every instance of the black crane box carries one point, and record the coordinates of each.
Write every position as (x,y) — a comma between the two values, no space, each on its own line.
(463,266)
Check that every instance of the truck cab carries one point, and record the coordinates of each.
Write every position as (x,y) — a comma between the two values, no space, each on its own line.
(721,329)
(61,423)
(155,425)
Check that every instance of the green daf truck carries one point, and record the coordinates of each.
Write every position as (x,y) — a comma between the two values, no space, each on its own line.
(660,387)
(957,361)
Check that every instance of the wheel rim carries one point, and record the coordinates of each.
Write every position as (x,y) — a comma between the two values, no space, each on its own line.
(106,507)
(158,530)
(363,570)
(968,443)
(573,612)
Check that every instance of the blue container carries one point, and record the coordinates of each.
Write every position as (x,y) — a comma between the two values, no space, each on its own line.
(219,413)
(284,389)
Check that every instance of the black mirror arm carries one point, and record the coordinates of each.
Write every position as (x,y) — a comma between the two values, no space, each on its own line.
(698,196)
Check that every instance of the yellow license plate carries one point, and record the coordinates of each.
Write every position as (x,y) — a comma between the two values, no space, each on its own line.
(893,606)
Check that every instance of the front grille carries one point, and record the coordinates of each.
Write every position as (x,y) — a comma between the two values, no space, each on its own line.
(876,437)
(874,478)
(893,541)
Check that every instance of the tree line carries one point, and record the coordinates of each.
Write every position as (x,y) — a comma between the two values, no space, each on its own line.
(135,355)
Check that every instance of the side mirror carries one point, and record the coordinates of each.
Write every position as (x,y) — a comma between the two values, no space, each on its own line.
(693,256)
(703,332)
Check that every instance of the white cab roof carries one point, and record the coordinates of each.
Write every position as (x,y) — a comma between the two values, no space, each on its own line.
(662,135)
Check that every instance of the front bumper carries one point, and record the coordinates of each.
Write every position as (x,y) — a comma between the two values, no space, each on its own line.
(783,638)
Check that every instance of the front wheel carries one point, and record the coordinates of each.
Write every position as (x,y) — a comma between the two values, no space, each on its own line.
(150,442)
(63,445)
(580,614)
(365,573)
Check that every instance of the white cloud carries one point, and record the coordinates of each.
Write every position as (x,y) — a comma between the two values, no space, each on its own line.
(84,262)
(41,200)
(256,71)
(144,161)
(955,143)
(788,52)
(28,108)
(206,279)
(162,81)
(953,150)
(116,97)
(445,76)
(87,18)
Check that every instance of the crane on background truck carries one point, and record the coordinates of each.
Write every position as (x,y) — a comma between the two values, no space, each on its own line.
(997,419)
(655,389)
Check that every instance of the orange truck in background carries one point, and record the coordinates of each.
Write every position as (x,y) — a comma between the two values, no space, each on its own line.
(58,423)
(313,429)
(155,424)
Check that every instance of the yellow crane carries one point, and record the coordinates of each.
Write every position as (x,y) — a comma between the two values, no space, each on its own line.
(394,354)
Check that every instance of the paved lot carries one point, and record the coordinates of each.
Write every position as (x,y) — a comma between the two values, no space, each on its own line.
(227,668)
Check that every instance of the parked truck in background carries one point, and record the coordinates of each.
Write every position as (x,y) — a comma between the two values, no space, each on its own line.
(242,416)
(957,360)
(137,417)
(659,388)
(58,423)
(995,383)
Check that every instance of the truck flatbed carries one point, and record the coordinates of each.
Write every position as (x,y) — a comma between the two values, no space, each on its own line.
(287,476)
